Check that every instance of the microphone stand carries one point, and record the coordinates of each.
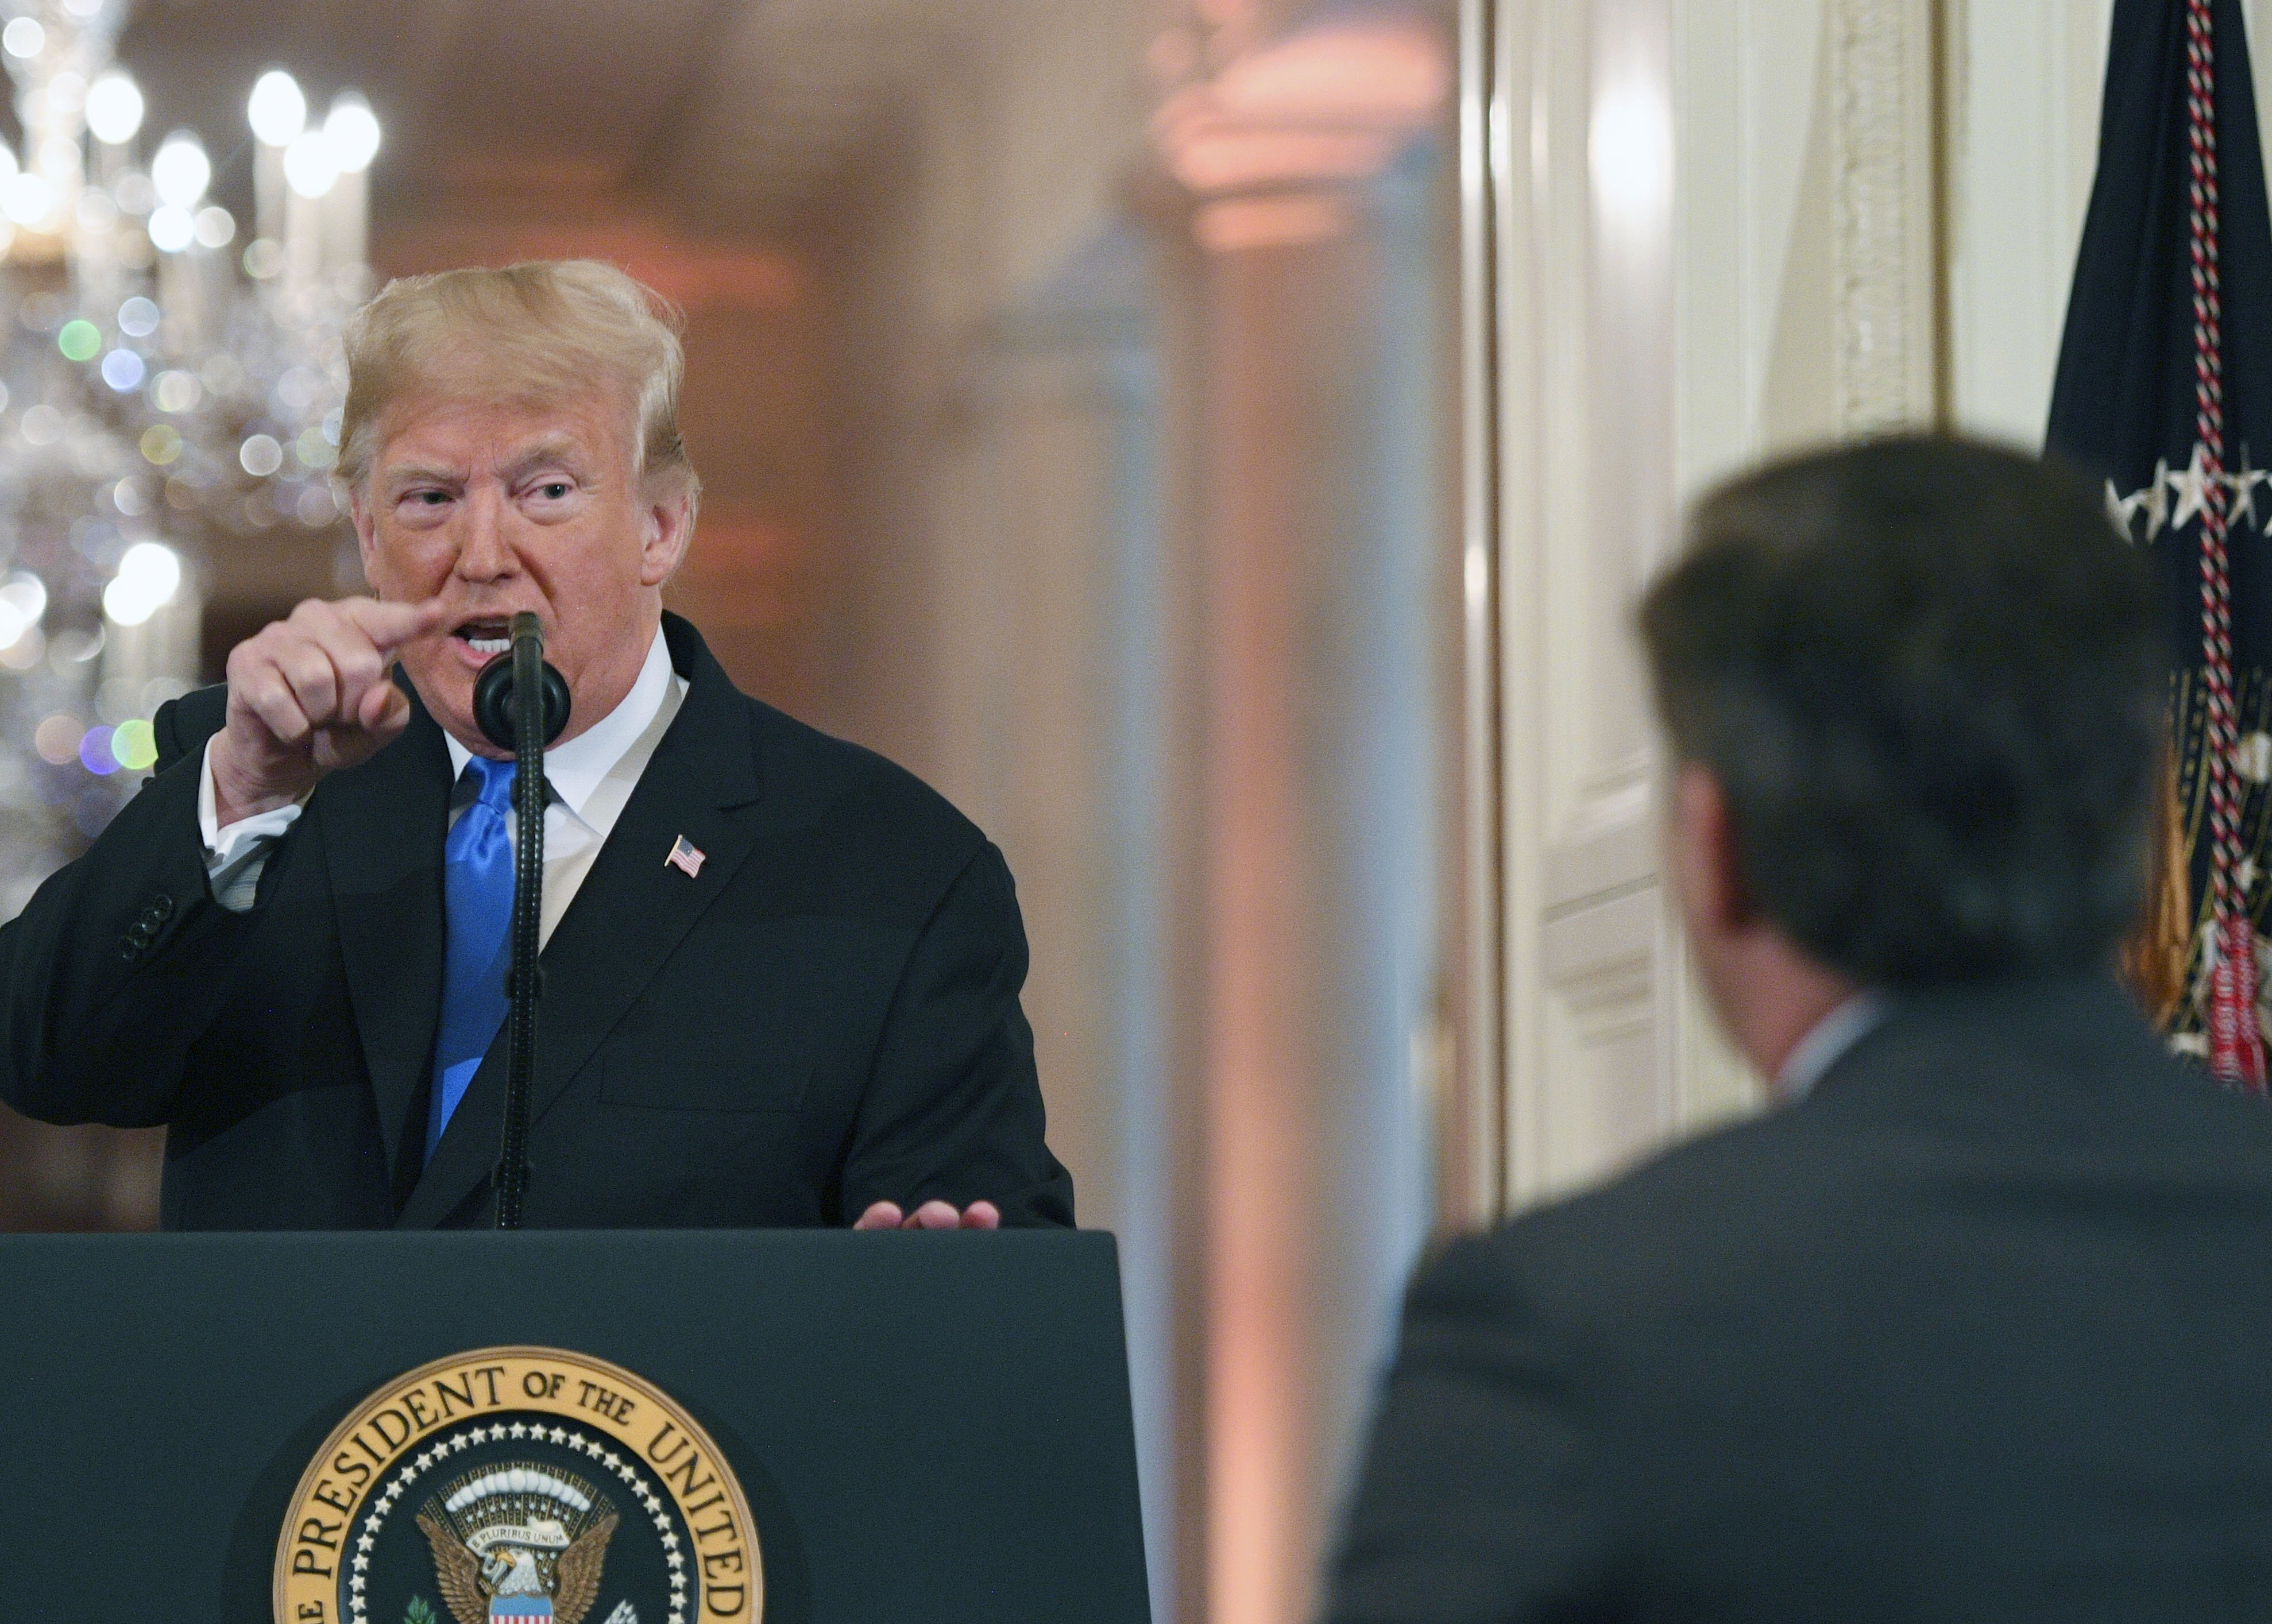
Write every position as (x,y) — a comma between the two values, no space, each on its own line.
(525,701)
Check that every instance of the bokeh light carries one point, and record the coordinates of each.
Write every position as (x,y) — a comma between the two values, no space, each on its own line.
(260,455)
(172,227)
(135,745)
(122,370)
(148,576)
(278,110)
(351,132)
(176,392)
(114,107)
(94,751)
(57,738)
(181,171)
(26,652)
(307,165)
(23,600)
(26,198)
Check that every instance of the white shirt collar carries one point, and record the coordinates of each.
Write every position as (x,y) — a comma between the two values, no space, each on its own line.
(1826,1043)
(574,769)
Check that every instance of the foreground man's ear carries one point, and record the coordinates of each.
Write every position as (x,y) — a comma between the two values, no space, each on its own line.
(1701,840)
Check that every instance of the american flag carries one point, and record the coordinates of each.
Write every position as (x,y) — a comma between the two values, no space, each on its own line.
(2164,390)
(685,854)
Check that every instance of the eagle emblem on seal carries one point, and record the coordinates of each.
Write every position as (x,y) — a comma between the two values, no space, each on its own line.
(518,1543)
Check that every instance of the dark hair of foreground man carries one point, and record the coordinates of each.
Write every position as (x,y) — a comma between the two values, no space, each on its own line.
(1930,681)
(1977,1320)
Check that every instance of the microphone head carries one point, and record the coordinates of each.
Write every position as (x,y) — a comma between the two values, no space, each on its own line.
(493,699)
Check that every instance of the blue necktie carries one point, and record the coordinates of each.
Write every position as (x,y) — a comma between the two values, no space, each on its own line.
(477,916)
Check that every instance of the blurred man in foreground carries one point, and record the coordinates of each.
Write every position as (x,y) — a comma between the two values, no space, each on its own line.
(1977,1321)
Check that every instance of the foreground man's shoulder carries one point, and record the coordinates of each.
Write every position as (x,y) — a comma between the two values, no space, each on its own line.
(1698,1220)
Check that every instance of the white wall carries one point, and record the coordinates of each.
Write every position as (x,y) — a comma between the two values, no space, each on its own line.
(2025,86)
(1759,321)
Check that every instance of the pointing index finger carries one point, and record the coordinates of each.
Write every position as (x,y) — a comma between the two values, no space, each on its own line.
(390,625)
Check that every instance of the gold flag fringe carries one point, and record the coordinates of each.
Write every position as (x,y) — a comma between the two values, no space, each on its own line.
(2159,948)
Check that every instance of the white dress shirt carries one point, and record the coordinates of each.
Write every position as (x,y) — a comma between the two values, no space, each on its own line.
(1826,1043)
(591,777)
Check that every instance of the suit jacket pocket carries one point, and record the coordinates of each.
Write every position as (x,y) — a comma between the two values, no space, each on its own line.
(664,1082)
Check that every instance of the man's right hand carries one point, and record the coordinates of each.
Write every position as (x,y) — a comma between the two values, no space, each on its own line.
(309,694)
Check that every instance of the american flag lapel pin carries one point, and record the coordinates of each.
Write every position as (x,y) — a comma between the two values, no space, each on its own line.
(686,856)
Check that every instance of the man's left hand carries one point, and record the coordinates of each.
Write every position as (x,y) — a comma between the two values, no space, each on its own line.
(931,1216)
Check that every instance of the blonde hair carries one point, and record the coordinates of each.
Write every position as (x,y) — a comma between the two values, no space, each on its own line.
(527,331)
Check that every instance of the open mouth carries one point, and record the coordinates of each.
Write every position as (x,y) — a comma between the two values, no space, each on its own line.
(489,635)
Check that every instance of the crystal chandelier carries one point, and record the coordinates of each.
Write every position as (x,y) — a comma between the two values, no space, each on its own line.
(170,387)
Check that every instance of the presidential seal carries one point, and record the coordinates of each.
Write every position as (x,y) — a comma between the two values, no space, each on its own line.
(518,1485)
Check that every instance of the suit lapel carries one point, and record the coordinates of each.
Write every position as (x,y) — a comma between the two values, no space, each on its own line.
(633,910)
(383,824)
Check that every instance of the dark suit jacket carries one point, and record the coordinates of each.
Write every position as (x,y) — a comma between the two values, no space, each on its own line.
(826,1016)
(1981,1329)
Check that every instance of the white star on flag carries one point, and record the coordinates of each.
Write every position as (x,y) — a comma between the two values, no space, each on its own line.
(2243,486)
(2190,488)
(2153,501)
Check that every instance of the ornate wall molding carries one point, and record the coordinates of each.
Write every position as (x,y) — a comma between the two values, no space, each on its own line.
(1604,961)
(1882,62)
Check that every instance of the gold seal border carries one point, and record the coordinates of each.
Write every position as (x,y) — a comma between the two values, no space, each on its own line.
(310,1600)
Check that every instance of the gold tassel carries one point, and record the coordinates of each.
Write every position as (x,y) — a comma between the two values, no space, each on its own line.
(2159,948)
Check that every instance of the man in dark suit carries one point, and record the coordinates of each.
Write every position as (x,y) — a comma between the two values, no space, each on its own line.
(1977,1320)
(782,976)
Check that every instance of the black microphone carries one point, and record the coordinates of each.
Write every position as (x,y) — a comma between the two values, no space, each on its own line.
(496,690)
(522,705)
